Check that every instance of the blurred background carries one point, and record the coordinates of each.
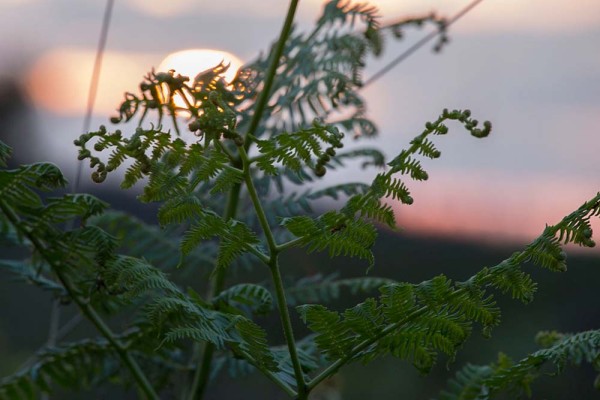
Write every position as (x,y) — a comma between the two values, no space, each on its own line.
(532,68)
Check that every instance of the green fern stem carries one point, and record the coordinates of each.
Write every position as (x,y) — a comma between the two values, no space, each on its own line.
(336,365)
(289,244)
(272,376)
(202,373)
(288,331)
(272,71)
(340,362)
(517,258)
(86,309)
(276,275)
(431,128)
(260,212)
(207,351)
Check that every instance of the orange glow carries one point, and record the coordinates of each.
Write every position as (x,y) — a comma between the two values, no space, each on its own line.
(193,61)
(491,206)
(59,80)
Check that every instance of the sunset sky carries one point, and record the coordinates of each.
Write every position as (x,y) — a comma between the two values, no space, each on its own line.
(530,67)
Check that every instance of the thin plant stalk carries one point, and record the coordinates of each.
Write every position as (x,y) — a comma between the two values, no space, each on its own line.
(203,371)
(86,309)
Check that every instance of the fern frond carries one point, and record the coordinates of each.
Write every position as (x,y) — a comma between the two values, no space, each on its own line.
(411,346)
(180,209)
(398,27)
(138,148)
(372,208)
(397,301)
(547,253)
(236,238)
(26,273)
(436,315)
(5,153)
(61,209)
(164,183)
(486,382)
(159,246)
(386,185)
(16,185)
(77,250)
(476,306)
(332,336)
(364,319)
(324,289)
(420,341)
(207,227)
(238,367)
(207,98)
(347,189)
(320,72)
(199,332)
(177,317)
(205,166)
(133,277)
(578,231)
(91,240)
(292,204)
(254,343)
(83,364)
(358,125)
(365,331)
(298,149)
(255,297)
(334,233)
(308,356)
(226,179)
(186,320)
(295,204)
(466,384)
(374,157)
(173,167)
(347,12)
(508,277)
(427,149)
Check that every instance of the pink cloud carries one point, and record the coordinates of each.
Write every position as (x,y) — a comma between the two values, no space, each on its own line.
(492,205)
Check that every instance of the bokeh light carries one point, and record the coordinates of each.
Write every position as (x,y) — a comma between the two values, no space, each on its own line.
(193,61)
(59,80)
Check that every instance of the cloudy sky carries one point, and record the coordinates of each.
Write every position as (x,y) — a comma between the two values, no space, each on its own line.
(530,67)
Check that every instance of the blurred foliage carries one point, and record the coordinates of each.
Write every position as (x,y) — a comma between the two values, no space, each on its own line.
(162,299)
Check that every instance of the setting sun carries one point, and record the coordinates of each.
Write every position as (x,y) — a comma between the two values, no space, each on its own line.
(58,81)
(193,61)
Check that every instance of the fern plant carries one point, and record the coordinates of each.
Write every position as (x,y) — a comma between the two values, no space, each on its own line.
(222,184)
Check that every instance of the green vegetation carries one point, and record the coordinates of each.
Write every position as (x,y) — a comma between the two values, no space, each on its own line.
(223,207)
